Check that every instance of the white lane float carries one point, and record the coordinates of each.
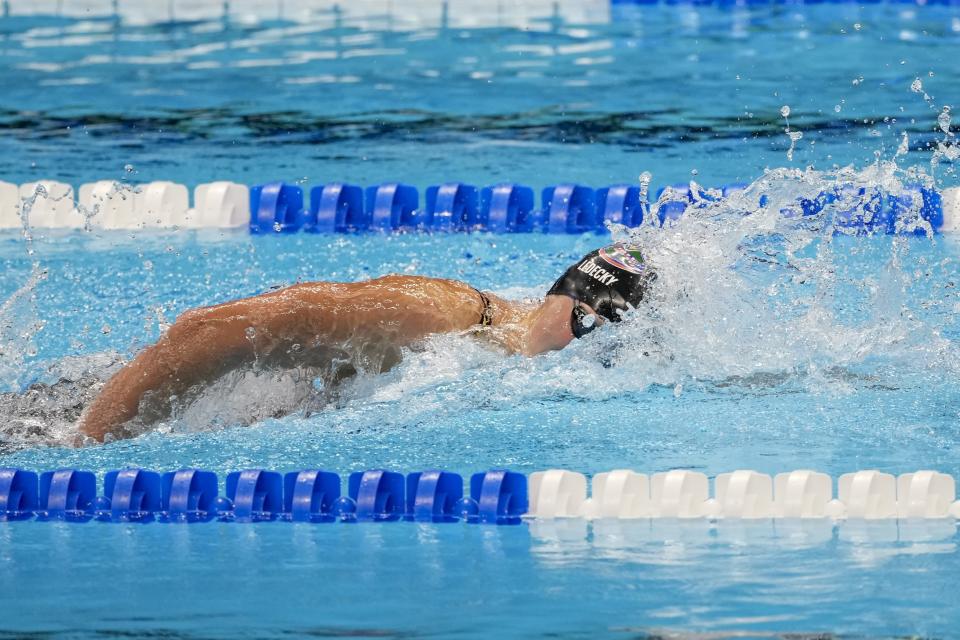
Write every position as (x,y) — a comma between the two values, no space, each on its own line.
(9,206)
(219,205)
(50,205)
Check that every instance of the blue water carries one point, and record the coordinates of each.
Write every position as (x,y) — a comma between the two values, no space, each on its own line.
(665,89)
(768,344)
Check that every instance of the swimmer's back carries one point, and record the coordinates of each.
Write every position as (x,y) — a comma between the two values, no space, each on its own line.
(397,308)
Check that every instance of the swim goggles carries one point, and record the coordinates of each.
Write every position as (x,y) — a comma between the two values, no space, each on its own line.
(581,322)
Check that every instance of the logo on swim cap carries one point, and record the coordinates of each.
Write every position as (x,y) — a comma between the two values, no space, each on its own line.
(597,272)
(624,256)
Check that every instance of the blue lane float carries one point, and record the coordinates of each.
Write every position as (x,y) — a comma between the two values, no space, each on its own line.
(452,207)
(310,496)
(500,496)
(277,207)
(19,492)
(569,208)
(378,495)
(392,206)
(129,495)
(507,208)
(67,494)
(679,198)
(434,496)
(253,495)
(257,495)
(338,208)
(188,495)
(622,204)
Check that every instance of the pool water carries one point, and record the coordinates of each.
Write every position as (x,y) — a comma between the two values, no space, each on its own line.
(769,343)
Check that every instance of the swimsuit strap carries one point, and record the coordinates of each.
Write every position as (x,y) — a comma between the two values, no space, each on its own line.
(486,316)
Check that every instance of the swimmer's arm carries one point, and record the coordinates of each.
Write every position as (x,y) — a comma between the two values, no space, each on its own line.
(201,342)
(199,345)
(529,333)
(188,353)
(549,328)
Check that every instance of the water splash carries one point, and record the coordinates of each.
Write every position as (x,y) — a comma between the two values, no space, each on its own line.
(794,136)
(753,297)
(45,412)
(748,301)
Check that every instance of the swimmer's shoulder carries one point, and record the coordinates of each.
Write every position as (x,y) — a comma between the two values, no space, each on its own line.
(389,287)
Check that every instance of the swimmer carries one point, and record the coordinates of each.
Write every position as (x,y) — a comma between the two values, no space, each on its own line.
(343,328)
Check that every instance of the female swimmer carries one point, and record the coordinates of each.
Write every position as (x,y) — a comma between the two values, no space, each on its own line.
(342,328)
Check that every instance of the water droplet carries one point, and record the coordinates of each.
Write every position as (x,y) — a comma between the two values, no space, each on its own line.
(785,111)
(916,86)
(128,168)
(105,329)
(836,108)
(904,145)
(944,120)
(694,172)
(250,332)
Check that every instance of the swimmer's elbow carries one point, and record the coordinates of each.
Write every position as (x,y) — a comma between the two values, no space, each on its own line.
(537,344)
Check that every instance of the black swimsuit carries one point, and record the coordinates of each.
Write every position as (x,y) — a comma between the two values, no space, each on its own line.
(486,316)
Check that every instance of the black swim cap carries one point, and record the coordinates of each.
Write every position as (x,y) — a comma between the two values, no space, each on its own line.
(610,280)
